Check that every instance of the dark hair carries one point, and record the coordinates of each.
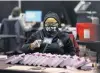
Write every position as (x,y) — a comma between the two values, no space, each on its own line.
(16,12)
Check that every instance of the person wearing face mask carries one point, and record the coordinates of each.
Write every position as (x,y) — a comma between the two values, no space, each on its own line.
(50,39)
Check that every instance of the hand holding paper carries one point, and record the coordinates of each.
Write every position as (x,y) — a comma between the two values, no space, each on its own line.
(35,44)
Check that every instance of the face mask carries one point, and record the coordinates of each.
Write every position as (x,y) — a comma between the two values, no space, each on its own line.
(51,27)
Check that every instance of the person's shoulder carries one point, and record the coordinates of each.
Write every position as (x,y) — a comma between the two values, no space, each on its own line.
(22,15)
(63,34)
(37,32)
(10,16)
(13,18)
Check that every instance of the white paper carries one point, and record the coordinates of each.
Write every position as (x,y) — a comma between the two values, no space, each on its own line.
(3,57)
(47,40)
(86,33)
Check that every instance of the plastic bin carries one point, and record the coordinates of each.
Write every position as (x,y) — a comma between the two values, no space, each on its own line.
(87,31)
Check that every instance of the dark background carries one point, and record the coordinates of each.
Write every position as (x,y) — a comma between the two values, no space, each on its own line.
(60,7)
(6,8)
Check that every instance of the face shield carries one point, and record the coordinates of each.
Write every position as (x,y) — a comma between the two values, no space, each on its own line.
(51,25)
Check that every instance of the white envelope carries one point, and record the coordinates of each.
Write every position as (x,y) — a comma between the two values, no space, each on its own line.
(58,62)
(37,59)
(87,67)
(80,63)
(64,57)
(28,59)
(39,62)
(31,60)
(47,40)
(25,59)
(54,61)
(9,59)
(46,61)
(16,60)
(43,60)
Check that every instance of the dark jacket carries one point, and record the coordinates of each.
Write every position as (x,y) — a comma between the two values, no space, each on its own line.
(54,47)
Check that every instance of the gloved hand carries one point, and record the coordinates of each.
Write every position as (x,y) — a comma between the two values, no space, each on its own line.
(35,44)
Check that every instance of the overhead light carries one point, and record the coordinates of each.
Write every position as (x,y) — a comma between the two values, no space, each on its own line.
(91,12)
(82,7)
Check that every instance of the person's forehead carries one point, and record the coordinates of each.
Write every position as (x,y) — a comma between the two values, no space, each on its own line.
(53,20)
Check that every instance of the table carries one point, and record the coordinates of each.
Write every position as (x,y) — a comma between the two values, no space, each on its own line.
(92,45)
(3,69)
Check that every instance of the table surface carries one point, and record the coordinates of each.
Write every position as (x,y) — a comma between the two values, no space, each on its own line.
(87,41)
(8,68)
(93,45)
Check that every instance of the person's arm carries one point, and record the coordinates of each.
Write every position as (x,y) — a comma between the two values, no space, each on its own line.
(27,46)
(26,26)
(33,42)
(68,45)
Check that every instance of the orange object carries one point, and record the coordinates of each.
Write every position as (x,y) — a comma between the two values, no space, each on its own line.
(87,31)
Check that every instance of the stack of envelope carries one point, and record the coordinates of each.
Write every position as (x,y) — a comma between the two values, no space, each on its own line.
(51,60)
(87,66)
